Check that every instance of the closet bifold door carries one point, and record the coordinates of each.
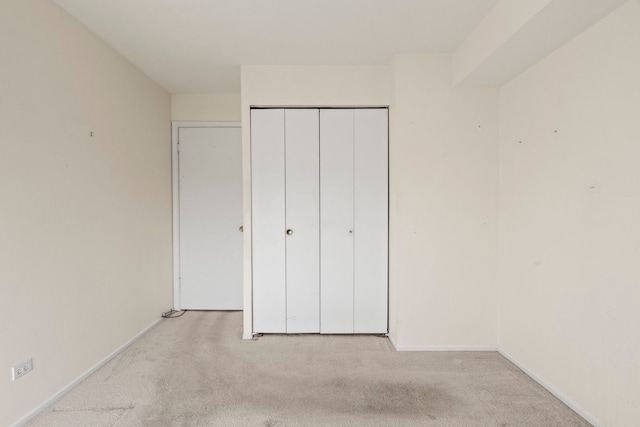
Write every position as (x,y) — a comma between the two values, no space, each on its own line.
(319,220)
(302,220)
(371,203)
(354,220)
(285,220)
(336,221)
(268,220)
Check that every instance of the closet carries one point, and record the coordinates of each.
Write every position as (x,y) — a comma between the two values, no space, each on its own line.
(319,220)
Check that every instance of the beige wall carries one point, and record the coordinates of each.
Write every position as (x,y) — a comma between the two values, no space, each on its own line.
(504,20)
(443,208)
(218,107)
(570,219)
(85,223)
(299,86)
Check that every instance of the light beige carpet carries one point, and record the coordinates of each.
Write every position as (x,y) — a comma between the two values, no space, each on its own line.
(196,371)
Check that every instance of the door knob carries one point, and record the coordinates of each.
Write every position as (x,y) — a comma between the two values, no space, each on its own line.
(289,232)
(241,228)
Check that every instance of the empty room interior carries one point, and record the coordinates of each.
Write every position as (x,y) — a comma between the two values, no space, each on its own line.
(415,180)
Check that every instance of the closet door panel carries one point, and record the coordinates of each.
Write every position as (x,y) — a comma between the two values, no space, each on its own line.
(336,219)
(371,220)
(268,220)
(303,219)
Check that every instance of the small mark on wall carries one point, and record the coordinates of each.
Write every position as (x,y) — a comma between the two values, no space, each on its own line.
(594,188)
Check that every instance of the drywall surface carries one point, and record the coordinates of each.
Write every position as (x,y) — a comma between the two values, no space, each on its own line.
(218,107)
(85,223)
(299,86)
(505,19)
(570,219)
(518,33)
(443,208)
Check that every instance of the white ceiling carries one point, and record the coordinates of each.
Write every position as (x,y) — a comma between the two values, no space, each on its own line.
(198,46)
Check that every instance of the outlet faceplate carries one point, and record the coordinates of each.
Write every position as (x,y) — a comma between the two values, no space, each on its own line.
(21,369)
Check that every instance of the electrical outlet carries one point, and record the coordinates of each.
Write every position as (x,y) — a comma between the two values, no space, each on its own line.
(22,369)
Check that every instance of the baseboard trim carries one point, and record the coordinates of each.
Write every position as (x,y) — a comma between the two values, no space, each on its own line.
(441,347)
(551,389)
(35,411)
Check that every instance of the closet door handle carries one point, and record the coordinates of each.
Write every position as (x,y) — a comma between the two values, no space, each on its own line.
(289,232)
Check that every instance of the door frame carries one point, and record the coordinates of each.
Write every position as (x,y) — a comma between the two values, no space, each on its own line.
(175,194)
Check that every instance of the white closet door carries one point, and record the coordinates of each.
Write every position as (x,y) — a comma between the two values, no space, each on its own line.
(336,219)
(268,220)
(210,188)
(303,220)
(371,219)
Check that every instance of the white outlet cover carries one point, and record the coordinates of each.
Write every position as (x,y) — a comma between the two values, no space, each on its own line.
(21,369)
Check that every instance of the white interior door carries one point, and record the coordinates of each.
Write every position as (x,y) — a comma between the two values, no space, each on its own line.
(336,221)
(302,220)
(268,221)
(371,219)
(210,204)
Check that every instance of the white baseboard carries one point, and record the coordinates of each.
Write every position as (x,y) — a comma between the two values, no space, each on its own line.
(35,411)
(577,409)
(441,347)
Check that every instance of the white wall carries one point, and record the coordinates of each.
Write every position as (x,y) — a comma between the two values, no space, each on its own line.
(299,86)
(85,223)
(220,107)
(570,219)
(443,208)
(505,19)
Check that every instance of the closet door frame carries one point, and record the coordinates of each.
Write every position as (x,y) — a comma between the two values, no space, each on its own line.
(248,238)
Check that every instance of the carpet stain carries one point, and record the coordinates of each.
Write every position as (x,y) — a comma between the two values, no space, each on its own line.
(397,399)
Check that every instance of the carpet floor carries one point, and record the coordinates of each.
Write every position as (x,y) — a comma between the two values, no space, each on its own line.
(196,371)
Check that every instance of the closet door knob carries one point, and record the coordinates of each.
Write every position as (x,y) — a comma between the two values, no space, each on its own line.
(289,232)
